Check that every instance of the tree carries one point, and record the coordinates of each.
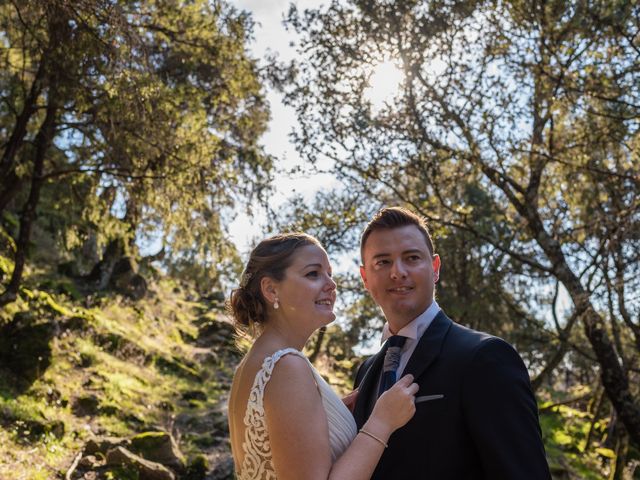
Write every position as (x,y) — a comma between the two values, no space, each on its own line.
(152,109)
(534,105)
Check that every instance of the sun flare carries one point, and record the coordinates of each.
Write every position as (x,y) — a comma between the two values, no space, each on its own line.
(384,83)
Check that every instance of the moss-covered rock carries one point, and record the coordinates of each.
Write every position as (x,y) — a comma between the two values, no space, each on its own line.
(147,470)
(159,447)
(101,445)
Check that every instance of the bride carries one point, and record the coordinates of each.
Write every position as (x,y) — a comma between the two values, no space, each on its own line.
(284,419)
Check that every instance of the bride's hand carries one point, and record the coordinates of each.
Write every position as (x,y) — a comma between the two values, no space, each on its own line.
(396,406)
(350,400)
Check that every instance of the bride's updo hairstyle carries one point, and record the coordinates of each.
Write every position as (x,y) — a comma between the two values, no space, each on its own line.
(270,258)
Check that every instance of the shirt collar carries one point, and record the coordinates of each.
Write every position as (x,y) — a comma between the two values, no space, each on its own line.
(416,327)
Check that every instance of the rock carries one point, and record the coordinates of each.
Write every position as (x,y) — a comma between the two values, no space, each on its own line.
(146,469)
(159,447)
(127,280)
(90,462)
(86,405)
(103,445)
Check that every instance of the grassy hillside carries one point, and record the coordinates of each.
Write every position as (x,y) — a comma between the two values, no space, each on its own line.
(73,368)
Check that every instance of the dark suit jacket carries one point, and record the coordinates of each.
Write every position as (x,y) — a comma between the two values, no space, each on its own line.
(484,427)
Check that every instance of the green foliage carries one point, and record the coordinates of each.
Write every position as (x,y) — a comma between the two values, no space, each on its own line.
(163,109)
(6,265)
(564,433)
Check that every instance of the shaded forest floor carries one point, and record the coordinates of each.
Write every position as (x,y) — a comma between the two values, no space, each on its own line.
(76,368)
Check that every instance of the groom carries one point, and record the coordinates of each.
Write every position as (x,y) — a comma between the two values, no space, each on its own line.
(476,416)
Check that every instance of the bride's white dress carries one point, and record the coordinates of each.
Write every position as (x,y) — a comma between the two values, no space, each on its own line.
(257,463)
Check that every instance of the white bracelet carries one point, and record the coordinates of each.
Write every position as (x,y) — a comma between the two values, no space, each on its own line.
(378,439)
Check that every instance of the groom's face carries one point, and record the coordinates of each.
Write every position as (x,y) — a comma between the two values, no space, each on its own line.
(400,273)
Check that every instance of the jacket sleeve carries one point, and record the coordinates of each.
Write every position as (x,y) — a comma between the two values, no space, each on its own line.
(502,415)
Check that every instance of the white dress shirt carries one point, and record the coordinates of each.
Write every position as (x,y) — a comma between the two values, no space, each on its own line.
(413,331)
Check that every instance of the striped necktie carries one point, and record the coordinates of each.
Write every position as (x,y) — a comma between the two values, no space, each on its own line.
(391,362)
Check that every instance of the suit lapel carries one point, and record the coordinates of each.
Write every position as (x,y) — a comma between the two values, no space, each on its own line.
(367,385)
(429,345)
(426,352)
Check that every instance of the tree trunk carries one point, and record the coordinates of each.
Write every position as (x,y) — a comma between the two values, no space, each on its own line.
(594,408)
(100,275)
(17,138)
(551,365)
(318,345)
(622,448)
(43,141)
(10,186)
(558,356)
(614,377)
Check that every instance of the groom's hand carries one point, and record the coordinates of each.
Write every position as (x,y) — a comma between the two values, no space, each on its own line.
(350,400)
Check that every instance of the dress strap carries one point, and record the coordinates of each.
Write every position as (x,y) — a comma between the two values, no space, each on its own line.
(256,463)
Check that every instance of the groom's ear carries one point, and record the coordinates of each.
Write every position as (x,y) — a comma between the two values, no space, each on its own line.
(363,275)
(436,267)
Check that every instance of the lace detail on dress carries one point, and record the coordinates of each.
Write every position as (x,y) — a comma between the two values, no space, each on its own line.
(257,462)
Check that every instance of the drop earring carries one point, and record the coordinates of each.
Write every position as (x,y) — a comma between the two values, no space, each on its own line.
(276,305)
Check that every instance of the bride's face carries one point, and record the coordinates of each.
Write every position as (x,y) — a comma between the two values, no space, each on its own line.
(307,292)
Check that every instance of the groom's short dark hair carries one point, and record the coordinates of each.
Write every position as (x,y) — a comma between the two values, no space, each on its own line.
(395,217)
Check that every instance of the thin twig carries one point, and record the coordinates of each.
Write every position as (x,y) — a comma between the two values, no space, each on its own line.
(73,466)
